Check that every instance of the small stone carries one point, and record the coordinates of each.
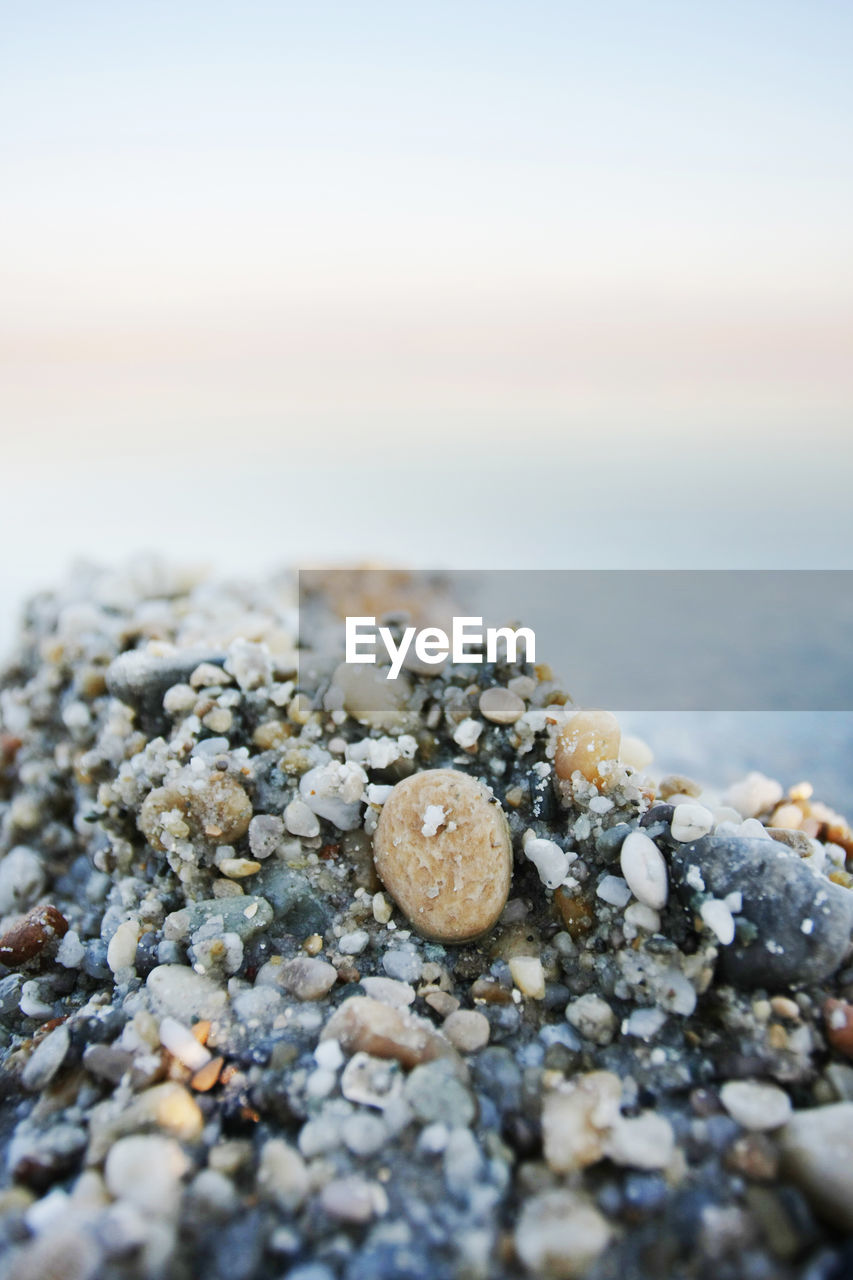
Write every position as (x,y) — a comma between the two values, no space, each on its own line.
(300,820)
(691,822)
(443,1002)
(382,909)
(402,965)
(645,1141)
(452,886)
(551,862)
(308,978)
(467,1030)
(207,1076)
(528,975)
(245,914)
(33,937)
(753,795)
(500,705)
(238,868)
(756,1105)
(334,791)
(560,1235)
(371,1082)
(838,1018)
(466,733)
(635,752)
(178,990)
(613,890)
(266,832)
(362,1024)
(282,1175)
(576,1118)
(817,1154)
(589,742)
(593,1018)
(46,1059)
(182,1044)
(434,1092)
(21,879)
(353,1199)
(353,943)
(719,919)
(644,869)
(121,952)
(146,1169)
(390,991)
(779,894)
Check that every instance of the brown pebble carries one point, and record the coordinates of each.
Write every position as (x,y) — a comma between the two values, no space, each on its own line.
(490,991)
(838,1017)
(207,1076)
(589,741)
(32,936)
(467,1029)
(796,840)
(576,913)
(201,1030)
(220,811)
(756,1156)
(443,851)
(362,1024)
(500,705)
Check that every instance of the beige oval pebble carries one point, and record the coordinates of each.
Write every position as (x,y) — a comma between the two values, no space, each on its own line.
(500,705)
(443,851)
(590,742)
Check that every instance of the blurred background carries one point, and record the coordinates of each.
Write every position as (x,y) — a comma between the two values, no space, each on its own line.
(471,285)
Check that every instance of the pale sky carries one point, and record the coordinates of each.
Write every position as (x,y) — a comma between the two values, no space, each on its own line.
(598,254)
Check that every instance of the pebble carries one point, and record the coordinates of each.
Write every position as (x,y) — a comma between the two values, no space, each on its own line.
(353,943)
(756,1105)
(589,742)
(238,868)
(334,791)
(452,886)
(36,933)
(576,1117)
(467,1030)
(435,1093)
(146,1169)
(362,1024)
(382,908)
(754,794)
(282,1175)
(121,952)
(389,991)
(500,705)
(593,1018)
(177,990)
(779,894)
(21,879)
(46,1059)
(613,890)
(402,965)
(353,1199)
(300,820)
(182,1044)
(817,1154)
(371,1082)
(528,975)
(551,862)
(245,915)
(560,1235)
(644,869)
(838,1020)
(719,919)
(691,822)
(645,1141)
(308,978)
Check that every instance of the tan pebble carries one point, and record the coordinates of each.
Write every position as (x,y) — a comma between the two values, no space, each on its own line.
(589,741)
(838,1019)
(490,991)
(382,909)
(442,1002)
(576,1119)
(219,720)
(467,1030)
(364,1025)
(636,753)
(238,868)
(675,784)
(528,975)
(514,797)
(500,705)
(208,1075)
(452,885)
(787,816)
(313,945)
(201,1030)
(784,1007)
(777,1037)
(799,841)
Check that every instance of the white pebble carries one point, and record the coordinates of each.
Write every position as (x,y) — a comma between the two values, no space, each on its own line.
(644,870)
(300,820)
(528,975)
(21,879)
(467,733)
(691,821)
(718,917)
(639,916)
(71,952)
(754,794)
(182,1044)
(146,1169)
(548,858)
(121,953)
(613,889)
(756,1105)
(353,943)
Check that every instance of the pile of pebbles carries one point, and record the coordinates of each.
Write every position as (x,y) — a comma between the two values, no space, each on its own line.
(305,977)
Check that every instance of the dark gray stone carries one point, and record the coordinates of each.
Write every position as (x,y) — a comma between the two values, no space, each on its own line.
(297,907)
(780,893)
